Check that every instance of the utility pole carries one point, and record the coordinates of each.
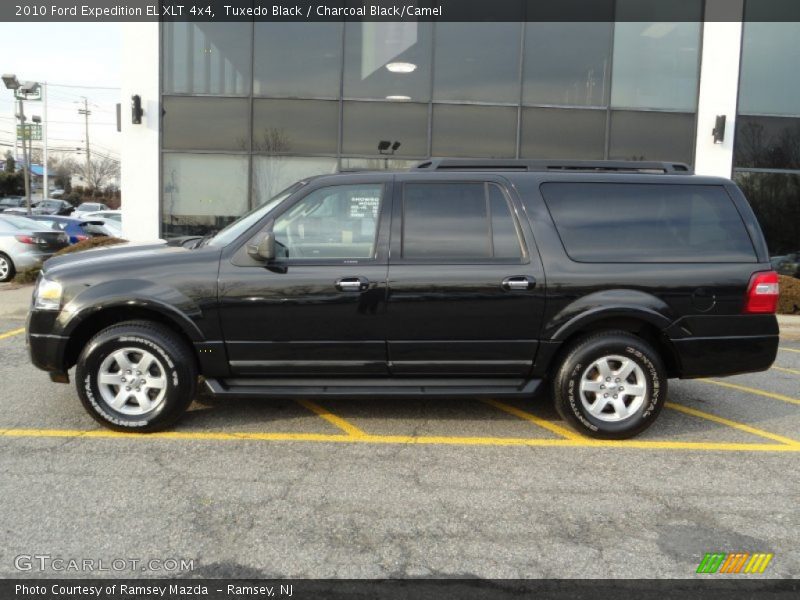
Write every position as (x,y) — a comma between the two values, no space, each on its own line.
(25,158)
(45,179)
(86,112)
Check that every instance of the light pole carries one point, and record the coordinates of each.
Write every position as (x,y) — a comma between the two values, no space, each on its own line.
(22,90)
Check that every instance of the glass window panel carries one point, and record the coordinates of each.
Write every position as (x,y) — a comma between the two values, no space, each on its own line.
(775,198)
(770,58)
(387,60)
(377,164)
(272,174)
(445,220)
(476,62)
(336,222)
(652,136)
(206,123)
(648,223)
(297,59)
(767,142)
(505,237)
(563,133)
(367,124)
(207,58)
(567,63)
(656,65)
(202,192)
(474,131)
(295,126)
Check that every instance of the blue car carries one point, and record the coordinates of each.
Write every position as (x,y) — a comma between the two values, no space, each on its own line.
(74,228)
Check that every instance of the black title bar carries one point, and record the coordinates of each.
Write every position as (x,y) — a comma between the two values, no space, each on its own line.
(397,10)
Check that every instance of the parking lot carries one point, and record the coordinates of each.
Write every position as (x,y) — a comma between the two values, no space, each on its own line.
(260,488)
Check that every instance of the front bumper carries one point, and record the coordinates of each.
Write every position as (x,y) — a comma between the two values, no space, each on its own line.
(47,351)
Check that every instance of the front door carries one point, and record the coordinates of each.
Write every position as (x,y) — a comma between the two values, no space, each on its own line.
(319,309)
(466,291)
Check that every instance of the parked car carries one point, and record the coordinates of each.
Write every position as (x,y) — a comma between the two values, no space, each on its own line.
(114,215)
(74,228)
(101,227)
(468,279)
(10,202)
(88,207)
(57,193)
(25,244)
(49,206)
(788,264)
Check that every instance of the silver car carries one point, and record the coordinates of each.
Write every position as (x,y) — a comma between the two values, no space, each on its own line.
(25,243)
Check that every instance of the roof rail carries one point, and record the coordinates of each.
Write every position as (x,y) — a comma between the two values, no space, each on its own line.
(595,166)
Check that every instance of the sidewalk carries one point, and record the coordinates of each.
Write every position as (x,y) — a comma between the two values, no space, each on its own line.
(15,301)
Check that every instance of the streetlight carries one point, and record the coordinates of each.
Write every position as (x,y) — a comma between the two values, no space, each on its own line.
(21,91)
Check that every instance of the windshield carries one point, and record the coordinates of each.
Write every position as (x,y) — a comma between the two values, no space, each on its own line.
(243,223)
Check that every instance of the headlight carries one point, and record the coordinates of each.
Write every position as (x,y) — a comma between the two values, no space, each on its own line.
(47,295)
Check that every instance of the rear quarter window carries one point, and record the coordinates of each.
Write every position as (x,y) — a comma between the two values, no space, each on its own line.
(656,223)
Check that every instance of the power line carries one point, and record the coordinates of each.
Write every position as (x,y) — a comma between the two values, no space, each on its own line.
(83,87)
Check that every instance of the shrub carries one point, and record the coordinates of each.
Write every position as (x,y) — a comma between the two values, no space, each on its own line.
(95,242)
(789,303)
(30,275)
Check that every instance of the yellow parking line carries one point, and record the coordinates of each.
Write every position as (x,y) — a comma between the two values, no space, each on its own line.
(785,370)
(552,427)
(750,390)
(785,349)
(12,333)
(402,439)
(735,424)
(339,422)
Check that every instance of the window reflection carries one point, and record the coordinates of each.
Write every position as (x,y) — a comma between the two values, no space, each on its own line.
(563,133)
(224,123)
(297,59)
(474,131)
(775,198)
(652,136)
(295,126)
(202,192)
(387,60)
(477,62)
(207,58)
(770,55)
(567,63)
(767,142)
(375,128)
(271,174)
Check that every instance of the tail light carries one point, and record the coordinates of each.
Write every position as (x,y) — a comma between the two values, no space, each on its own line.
(80,237)
(762,293)
(26,239)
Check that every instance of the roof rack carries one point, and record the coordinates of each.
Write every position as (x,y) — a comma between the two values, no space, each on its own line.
(595,166)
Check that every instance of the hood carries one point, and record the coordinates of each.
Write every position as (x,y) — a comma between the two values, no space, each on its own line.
(111,257)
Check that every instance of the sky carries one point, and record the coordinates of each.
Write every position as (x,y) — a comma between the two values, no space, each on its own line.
(75,59)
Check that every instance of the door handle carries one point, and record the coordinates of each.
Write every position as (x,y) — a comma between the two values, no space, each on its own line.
(352,284)
(518,283)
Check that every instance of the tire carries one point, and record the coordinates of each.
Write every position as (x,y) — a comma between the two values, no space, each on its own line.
(116,396)
(594,401)
(7,269)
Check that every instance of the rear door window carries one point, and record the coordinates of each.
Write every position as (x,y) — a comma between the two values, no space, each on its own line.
(458,222)
(610,222)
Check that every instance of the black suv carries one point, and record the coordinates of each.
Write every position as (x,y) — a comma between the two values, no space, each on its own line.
(456,278)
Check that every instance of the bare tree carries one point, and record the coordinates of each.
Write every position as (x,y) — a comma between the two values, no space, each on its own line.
(100,173)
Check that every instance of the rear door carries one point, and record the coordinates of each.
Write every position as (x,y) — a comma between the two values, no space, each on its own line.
(466,286)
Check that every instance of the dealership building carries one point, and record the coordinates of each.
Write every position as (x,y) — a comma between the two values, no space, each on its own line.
(236,111)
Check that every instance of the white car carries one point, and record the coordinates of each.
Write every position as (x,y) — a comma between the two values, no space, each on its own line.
(115,215)
(88,208)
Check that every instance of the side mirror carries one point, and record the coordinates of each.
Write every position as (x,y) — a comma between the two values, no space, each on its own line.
(263,250)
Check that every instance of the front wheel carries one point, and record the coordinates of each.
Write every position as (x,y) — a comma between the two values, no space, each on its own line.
(136,376)
(611,385)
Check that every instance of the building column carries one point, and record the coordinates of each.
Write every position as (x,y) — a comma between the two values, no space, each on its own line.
(141,145)
(719,85)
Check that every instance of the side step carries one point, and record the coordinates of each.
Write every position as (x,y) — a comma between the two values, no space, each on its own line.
(373,388)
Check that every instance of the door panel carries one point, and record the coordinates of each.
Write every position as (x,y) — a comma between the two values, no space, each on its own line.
(461,315)
(321,308)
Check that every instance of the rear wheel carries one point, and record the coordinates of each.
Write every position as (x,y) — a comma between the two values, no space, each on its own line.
(7,270)
(610,385)
(136,376)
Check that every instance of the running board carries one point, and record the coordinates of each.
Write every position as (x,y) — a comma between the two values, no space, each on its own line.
(373,388)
